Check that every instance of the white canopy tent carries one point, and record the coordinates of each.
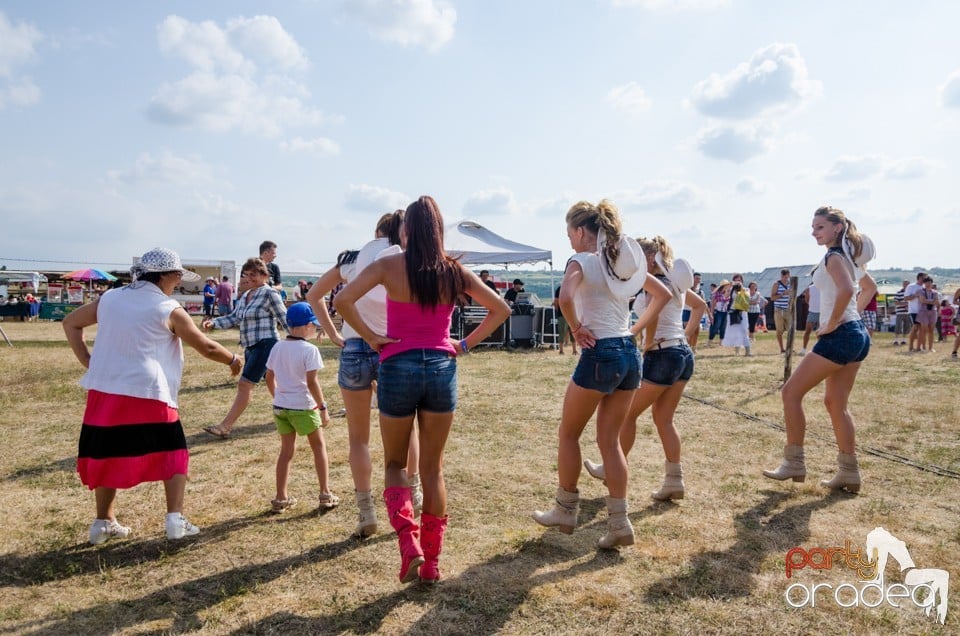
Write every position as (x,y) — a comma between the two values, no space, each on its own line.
(474,244)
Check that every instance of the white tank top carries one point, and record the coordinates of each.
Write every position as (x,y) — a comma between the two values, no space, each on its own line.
(605,315)
(135,353)
(670,323)
(828,290)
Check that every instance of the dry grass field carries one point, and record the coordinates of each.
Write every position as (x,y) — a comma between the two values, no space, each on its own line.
(712,564)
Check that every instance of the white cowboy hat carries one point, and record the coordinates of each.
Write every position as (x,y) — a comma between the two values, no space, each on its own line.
(680,275)
(868,251)
(626,276)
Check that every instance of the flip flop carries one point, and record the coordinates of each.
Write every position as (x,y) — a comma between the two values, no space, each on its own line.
(216,431)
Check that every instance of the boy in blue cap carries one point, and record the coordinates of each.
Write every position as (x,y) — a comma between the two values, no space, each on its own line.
(298,405)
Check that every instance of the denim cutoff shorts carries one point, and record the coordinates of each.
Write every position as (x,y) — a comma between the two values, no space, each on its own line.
(417,379)
(255,360)
(848,343)
(613,364)
(359,365)
(665,367)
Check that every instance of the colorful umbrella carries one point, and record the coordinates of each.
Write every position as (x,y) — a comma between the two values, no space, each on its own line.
(89,274)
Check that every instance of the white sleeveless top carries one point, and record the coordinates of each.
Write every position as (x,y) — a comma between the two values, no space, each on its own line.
(135,353)
(828,290)
(372,305)
(605,315)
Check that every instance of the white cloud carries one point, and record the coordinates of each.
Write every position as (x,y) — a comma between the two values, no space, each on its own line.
(319,146)
(17,47)
(672,5)
(426,23)
(166,168)
(368,198)
(750,186)
(909,168)
(661,195)
(16,44)
(950,91)
(265,38)
(227,89)
(735,143)
(498,201)
(629,99)
(850,168)
(773,79)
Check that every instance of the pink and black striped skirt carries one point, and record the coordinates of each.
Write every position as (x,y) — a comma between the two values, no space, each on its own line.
(127,440)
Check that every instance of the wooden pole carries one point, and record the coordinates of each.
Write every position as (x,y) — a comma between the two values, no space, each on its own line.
(792,312)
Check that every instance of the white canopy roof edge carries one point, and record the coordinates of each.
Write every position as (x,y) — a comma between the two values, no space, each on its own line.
(476,245)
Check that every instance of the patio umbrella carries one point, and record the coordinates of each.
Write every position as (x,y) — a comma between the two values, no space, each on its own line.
(89,274)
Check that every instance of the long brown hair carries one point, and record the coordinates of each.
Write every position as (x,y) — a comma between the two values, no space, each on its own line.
(433,276)
(389,226)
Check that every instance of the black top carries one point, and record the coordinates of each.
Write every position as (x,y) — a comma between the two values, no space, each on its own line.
(274,274)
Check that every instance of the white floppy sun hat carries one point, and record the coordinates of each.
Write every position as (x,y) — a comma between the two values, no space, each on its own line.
(161,259)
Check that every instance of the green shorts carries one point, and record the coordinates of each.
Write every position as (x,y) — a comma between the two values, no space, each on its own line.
(296,421)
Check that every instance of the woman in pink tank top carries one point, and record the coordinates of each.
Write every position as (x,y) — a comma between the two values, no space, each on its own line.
(418,372)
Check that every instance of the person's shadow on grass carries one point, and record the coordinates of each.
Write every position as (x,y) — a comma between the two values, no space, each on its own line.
(480,599)
(183,602)
(731,573)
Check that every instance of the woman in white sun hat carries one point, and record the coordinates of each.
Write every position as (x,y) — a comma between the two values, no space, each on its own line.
(131,428)
(600,279)
(667,364)
(843,343)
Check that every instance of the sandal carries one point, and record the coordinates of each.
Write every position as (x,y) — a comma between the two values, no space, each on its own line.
(328,501)
(216,431)
(279,505)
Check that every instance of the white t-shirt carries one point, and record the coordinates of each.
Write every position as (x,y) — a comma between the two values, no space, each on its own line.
(372,305)
(605,315)
(913,306)
(290,360)
(670,321)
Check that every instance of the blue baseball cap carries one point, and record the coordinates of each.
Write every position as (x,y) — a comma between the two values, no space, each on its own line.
(300,314)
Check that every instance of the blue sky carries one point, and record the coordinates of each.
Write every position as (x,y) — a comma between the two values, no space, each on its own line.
(722,125)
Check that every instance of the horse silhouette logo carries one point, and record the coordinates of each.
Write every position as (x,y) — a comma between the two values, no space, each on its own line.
(881,545)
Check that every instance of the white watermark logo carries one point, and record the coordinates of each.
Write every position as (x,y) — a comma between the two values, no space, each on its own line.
(926,588)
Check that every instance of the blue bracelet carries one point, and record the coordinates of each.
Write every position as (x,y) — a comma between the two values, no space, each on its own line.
(463,345)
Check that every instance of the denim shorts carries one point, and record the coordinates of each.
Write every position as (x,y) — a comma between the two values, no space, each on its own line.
(417,379)
(255,360)
(847,343)
(359,365)
(613,364)
(813,318)
(665,367)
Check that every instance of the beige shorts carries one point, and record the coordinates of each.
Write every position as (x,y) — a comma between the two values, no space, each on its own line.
(782,319)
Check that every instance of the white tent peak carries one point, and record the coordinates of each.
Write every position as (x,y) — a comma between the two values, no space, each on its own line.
(474,244)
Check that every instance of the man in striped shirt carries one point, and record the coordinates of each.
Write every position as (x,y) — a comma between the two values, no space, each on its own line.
(904,323)
(780,296)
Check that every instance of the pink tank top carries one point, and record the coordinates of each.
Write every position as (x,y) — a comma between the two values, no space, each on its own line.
(417,328)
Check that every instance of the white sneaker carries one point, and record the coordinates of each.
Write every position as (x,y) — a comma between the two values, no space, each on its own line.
(178,527)
(803,352)
(103,529)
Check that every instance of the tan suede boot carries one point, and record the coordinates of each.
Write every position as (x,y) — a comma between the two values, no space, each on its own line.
(792,466)
(367,524)
(619,530)
(672,483)
(848,474)
(563,516)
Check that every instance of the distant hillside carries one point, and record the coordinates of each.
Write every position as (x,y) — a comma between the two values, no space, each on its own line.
(539,281)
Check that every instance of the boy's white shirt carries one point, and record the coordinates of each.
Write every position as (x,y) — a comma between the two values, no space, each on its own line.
(290,360)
